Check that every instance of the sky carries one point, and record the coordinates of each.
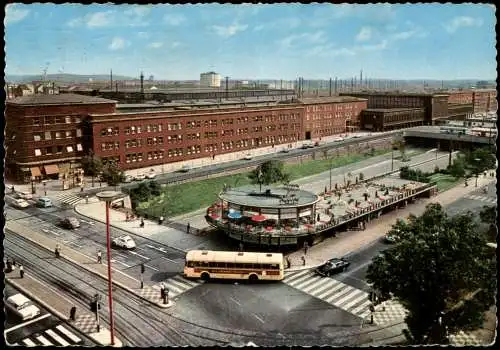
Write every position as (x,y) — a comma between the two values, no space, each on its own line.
(277,41)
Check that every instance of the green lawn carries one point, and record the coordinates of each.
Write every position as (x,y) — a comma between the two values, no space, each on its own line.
(444,181)
(201,194)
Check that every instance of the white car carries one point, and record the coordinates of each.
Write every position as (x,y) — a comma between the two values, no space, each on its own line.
(21,204)
(140,177)
(24,195)
(124,242)
(247,156)
(185,168)
(128,178)
(22,306)
(151,175)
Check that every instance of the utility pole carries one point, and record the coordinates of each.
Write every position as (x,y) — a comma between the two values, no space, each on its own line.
(335,85)
(330,94)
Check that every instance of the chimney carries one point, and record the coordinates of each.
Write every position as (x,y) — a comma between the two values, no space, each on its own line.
(335,85)
(142,83)
(227,88)
(330,94)
(111,79)
(116,84)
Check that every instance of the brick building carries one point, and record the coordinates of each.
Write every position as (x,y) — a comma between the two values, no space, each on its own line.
(435,105)
(43,133)
(380,119)
(481,100)
(324,116)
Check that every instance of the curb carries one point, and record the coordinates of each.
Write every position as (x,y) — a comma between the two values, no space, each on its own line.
(78,210)
(53,311)
(119,284)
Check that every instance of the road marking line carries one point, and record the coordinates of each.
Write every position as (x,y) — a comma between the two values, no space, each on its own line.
(151,267)
(123,256)
(175,262)
(69,334)
(235,301)
(27,323)
(161,249)
(142,256)
(29,342)
(118,261)
(44,340)
(57,338)
(260,319)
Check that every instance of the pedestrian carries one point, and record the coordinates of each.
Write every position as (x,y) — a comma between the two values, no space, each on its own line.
(318,217)
(21,271)
(127,218)
(72,313)
(142,222)
(87,198)
(288,263)
(57,250)
(13,262)
(241,247)
(303,260)
(13,189)
(188,228)
(160,221)
(306,245)
(162,290)
(99,257)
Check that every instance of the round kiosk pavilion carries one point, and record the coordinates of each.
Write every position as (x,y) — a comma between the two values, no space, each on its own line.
(265,215)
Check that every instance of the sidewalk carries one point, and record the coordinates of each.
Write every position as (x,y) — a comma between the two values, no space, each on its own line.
(60,307)
(148,293)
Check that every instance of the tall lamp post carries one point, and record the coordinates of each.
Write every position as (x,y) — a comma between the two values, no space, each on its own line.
(108,197)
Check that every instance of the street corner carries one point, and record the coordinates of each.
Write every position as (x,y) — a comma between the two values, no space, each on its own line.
(165,306)
(103,337)
(150,294)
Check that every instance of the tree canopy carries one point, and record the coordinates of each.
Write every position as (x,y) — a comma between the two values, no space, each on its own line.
(269,172)
(112,174)
(91,166)
(481,159)
(439,269)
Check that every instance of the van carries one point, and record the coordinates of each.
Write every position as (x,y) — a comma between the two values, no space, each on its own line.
(44,202)
(22,306)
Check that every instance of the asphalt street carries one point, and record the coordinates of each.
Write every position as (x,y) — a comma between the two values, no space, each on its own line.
(41,327)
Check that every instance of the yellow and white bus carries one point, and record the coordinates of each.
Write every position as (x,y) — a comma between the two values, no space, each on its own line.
(207,264)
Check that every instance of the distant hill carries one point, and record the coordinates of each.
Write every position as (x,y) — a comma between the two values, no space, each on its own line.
(64,78)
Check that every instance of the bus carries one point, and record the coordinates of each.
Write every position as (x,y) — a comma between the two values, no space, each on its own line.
(207,264)
(453,130)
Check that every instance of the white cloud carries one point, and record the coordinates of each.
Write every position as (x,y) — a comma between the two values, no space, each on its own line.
(376,47)
(282,23)
(117,43)
(143,35)
(155,45)
(462,21)
(14,14)
(175,44)
(174,19)
(330,51)
(100,19)
(230,30)
(408,34)
(310,38)
(364,34)
(138,11)
(326,13)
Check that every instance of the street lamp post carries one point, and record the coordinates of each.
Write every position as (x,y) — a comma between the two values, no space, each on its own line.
(44,187)
(33,188)
(330,174)
(392,160)
(108,197)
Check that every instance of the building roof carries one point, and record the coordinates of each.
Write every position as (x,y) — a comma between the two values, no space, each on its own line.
(388,110)
(58,99)
(329,99)
(391,93)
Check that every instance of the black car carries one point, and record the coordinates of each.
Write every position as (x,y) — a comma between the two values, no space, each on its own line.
(332,266)
(69,223)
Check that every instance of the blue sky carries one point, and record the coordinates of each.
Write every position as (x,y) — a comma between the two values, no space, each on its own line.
(278,41)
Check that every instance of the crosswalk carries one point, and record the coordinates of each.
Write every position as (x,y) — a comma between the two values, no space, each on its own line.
(343,296)
(68,198)
(56,336)
(176,285)
(486,199)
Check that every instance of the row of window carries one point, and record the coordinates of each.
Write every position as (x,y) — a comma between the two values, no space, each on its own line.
(202,264)
(49,135)
(57,150)
(329,116)
(336,107)
(50,120)
(404,117)
(138,157)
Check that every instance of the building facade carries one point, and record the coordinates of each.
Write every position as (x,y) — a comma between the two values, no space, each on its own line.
(136,140)
(43,133)
(325,116)
(210,79)
(485,100)
(379,119)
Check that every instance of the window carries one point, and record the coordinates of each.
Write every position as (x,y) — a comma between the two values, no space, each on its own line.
(47,135)
(59,149)
(68,119)
(79,147)
(159,127)
(68,134)
(48,150)
(139,129)
(38,152)
(49,120)
(77,119)
(36,121)
(37,137)
(58,134)
(59,120)
(69,149)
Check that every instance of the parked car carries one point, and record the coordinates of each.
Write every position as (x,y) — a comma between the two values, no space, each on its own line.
(123,242)
(247,156)
(24,195)
(21,204)
(139,177)
(22,306)
(307,145)
(44,202)
(128,178)
(185,168)
(332,266)
(285,150)
(151,174)
(70,222)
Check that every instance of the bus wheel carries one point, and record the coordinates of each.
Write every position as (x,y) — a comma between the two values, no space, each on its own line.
(253,277)
(205,276)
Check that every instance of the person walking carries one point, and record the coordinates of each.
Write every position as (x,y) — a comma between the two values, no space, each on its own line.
(142,222)
(188,228)
(303,260)
(306,246)
(160,221)
(57,251)
(288,263)
(21,271)
(99,257)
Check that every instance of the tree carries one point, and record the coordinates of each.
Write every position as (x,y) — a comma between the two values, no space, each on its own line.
(112,174)
(91,165)
(488,217)
(269,172)
(481,159)
(437,263)
(457,169)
